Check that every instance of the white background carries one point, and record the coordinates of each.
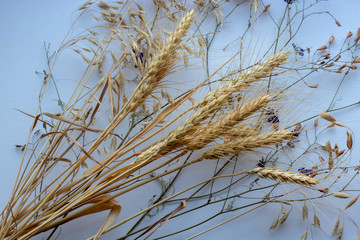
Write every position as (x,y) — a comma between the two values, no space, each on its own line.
(25,25)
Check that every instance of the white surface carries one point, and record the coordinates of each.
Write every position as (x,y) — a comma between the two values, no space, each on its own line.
(25,25)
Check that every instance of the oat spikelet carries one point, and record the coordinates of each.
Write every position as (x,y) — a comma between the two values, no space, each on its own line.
(304,235)
(282,176)
(305,212)
(341,195)
(352,202)
(247,144)
(328,117)
(336,226)
(340,232)
(349,140)
(274,223)
(316,221)
(266,8)
(284,218)
(352,66)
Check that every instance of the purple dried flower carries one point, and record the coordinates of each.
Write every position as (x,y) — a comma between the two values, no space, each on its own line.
(305,171)
(261,163)
(298,50)
(289,1)
(273,118)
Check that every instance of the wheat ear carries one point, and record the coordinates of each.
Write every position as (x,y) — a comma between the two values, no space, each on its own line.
(284,176)
(226,126)
(252,75)
(247,144)
(161,64)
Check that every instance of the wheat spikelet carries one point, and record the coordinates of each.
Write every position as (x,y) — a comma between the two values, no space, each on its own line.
(247,144)
(284,176)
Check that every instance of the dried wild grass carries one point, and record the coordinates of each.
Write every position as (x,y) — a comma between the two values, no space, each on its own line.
(234,119)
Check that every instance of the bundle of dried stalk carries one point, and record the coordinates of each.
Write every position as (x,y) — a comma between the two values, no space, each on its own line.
(39,202)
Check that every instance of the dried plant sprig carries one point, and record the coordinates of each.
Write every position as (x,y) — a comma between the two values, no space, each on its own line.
(76,195)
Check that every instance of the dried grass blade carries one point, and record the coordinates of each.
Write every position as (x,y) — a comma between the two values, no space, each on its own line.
(67,121)
(36,118)
(98,104)
(99,206)
(113,215)
(82,163)
(60,159)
